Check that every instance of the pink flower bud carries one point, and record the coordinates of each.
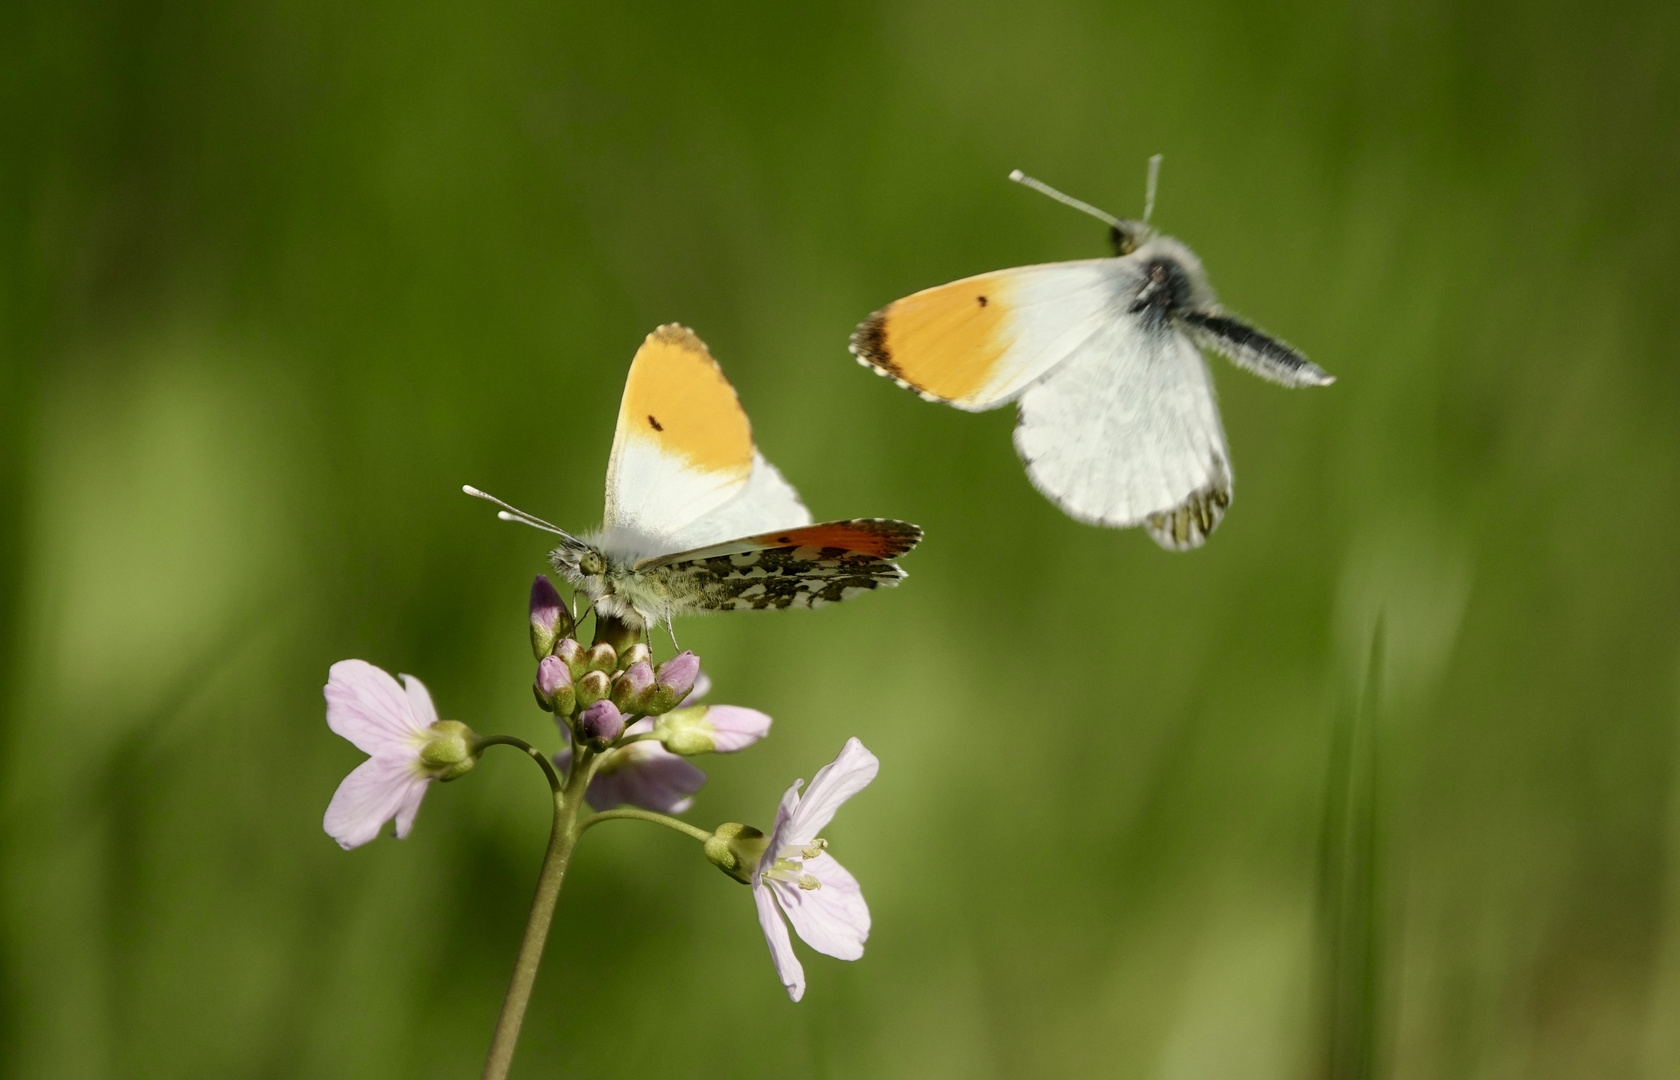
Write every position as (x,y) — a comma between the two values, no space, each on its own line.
(550,621)
(554,686)
(600,723)
(630,691)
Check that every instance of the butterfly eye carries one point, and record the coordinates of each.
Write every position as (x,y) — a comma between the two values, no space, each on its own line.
(591,563)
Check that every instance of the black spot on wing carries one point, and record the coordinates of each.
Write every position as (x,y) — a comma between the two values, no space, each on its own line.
(656,425)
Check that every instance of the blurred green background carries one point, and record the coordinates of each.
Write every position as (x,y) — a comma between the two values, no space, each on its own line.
(277,277)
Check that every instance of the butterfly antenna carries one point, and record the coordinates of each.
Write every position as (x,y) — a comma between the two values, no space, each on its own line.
(513,513)
(1149,187)
(1045,189)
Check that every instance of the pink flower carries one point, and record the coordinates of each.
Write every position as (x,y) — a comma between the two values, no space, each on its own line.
(407,748)
(820,898)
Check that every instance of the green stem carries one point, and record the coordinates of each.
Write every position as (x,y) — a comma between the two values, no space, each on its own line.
(520,744)
(627,814)
(568,797)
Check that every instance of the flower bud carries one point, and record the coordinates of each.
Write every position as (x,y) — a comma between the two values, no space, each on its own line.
(601,656)
(612,630)
(635,654)
(631,690)
(710,729)
(735,849)
(572,655)
(554,686)
(450,751)
(550,621)
(600,723)
(676,679)
(593,687)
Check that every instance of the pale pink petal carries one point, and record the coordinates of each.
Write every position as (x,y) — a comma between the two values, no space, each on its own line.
(420,702)
(702,687)
(366,706)
(784,822)
(375,791)
(834,783)
(410,807)
(788,968)
(735,728)
(646,775)
(833,919)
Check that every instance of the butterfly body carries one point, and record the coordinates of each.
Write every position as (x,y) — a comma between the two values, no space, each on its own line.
(1103,357)
(697,520)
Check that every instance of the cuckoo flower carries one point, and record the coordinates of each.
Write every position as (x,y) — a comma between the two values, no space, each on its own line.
(407,746)
(818,895)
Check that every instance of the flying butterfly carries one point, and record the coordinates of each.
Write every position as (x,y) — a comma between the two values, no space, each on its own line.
(1117,423)
(696,519)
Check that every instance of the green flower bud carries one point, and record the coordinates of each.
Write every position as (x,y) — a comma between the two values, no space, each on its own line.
(611,630)
(601,657)
(572,655)
(686,731)
(633,687)
(635,654)
(735,849)
(450,751)
(594,686)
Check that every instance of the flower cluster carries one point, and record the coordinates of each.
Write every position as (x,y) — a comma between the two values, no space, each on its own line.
(629,727)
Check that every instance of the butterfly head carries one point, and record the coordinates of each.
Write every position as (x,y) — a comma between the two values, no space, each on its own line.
(581,564)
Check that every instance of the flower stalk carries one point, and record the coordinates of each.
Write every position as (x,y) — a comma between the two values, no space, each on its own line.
(568,797)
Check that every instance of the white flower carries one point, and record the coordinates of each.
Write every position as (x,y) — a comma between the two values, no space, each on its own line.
(407,748)
(820,898)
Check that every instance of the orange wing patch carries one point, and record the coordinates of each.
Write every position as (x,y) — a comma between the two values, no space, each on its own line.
(879,538)
(677,398)
(944,342)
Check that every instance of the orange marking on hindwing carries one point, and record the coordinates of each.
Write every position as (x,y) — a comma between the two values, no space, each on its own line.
(877,539)
(944,341)
(677,398)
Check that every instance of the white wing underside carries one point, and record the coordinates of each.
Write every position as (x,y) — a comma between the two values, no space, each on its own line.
(1125,427)
(657,504)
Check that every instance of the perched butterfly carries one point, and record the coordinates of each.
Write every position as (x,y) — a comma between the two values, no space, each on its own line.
(1117,421)
(696,519)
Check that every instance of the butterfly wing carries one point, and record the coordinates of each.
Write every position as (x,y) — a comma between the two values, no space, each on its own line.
(1126,432)
(684,471)
(978,342)
(800,567)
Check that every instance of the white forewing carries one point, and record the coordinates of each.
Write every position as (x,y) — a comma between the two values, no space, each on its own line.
(1052,310)
(657,494)
(764,503)
(1126,427)
(672,508)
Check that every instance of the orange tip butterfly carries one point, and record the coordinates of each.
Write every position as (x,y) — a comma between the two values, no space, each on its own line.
(696,519)
(1117,422)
